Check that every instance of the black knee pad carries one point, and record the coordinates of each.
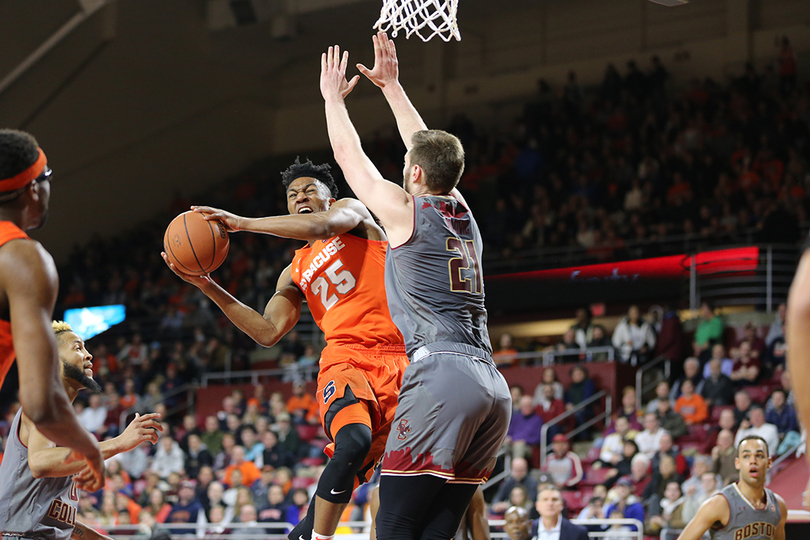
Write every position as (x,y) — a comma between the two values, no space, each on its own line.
(352,444)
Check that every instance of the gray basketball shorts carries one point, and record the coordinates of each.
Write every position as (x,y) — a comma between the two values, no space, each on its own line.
(451,419)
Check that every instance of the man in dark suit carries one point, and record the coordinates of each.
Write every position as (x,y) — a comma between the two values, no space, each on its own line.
(552,525)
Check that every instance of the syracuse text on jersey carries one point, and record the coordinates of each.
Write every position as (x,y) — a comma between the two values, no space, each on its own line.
(320,259)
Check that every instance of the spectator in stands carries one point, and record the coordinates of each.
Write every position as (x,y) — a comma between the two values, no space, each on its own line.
(726,363)
(663,475)
(746,366)
(700,465)
(274,509)
(709,331)
(506,354)
(594,510)
(628,410)
(583,327)
(671,511)
(624,466)
(274,453)
(639,474)
(602,340)
(212,436)
(742,404)
(690,405)
(287,436)
(547,405)
(135,352)
(524,429)
(564,466)
(751,335)
(260,487)
(516,391)
(197,456)
(204,479)
(519,477)
(94,416)
(168,458)
(691,371)
(668,448)
(756,425)
(613,444)
(662,390)
(634,338)
(136,461)
(298,507)
(158,507)
(670,342)
(187,510)
(518,526)
(188,427)
(215,493)
(694,497)
(776,331)
(550,507)
(775,354)
(649,440)
(550,377)
(626,503)
(670,421)
(580,389)
(253,446)
(520,497)
(717,388)
(723,456)
(223,459)
(781,413)
(568,345)
(250,473)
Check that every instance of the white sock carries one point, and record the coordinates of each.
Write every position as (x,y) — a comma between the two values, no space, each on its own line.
(318,536)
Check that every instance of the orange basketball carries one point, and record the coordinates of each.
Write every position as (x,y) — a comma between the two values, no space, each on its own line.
(195,246)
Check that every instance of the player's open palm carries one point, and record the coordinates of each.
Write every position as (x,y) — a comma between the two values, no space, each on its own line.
(231,222)
(141,429)
(386,66)
(333,74)
(197,281)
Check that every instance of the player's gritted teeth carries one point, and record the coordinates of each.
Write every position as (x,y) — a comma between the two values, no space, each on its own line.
(305,210)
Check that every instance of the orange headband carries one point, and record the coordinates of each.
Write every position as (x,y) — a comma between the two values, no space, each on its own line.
(28,175)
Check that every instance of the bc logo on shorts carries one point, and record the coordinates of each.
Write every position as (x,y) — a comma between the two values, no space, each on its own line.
(328,391)
(403,428)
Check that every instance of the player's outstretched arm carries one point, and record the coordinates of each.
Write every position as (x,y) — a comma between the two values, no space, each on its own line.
(83,532)
(280,315)
(712,511)
(798,339)
(46,460)
(343,216)
(385,74)
(387,200)
(29,277)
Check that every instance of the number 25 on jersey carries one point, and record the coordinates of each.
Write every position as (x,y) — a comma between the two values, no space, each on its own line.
(342,280)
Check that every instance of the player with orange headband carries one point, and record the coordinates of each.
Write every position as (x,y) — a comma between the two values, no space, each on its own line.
(28,288)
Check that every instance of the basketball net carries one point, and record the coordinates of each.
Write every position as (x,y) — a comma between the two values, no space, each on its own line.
(425,18)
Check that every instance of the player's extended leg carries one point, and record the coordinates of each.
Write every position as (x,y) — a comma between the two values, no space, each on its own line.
(421,507)
(348,420)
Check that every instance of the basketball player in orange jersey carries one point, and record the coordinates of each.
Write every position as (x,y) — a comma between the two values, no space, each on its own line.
(28,288)
(340,273)
(797,338)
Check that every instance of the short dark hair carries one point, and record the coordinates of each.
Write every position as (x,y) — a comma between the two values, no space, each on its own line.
(753,438)
(441,157)
(310,170)
(18,151)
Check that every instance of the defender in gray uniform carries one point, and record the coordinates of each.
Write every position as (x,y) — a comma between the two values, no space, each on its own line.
(744,510)
(454,405)
(38,496)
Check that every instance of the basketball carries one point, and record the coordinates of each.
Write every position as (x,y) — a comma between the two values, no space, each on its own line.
(195,246)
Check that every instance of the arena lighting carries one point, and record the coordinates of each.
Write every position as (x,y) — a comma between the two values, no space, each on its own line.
(742,260)
(670,3)
(91,321)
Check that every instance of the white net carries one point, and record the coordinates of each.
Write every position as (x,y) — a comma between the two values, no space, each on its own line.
(425,18)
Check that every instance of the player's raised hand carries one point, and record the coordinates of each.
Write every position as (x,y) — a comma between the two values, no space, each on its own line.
(231,222)
(197,281)
(333,74)
(386,66)
(142,428)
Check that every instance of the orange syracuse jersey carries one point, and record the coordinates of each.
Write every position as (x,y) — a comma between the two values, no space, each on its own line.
(8,232)
(343,280)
